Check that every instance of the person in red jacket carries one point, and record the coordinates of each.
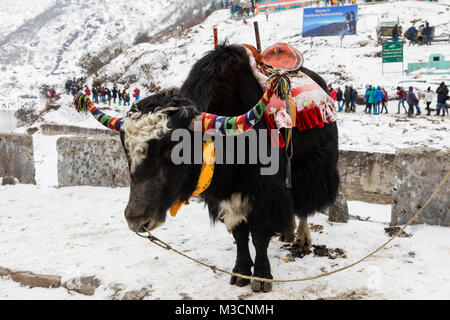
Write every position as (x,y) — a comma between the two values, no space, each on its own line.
(87,91)
(384,101)
(137,93)
(333,94)
(401,99)
(52,95)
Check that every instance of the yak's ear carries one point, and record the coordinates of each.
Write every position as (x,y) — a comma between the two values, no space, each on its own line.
(182,117)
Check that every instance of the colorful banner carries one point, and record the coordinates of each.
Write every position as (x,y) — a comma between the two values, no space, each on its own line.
(330,21)
(269,6)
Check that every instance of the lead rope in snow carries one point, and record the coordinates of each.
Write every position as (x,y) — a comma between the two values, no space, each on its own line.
(166,246)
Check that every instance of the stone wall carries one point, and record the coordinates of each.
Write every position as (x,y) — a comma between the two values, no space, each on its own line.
(367,176)
(56,129)
(93,161)
(418,172)
(17,157)
(100,161)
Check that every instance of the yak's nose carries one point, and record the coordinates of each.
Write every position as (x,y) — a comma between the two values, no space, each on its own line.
(135,222)
(138,225)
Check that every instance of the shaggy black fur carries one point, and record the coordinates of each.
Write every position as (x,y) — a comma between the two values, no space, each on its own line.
(223,83)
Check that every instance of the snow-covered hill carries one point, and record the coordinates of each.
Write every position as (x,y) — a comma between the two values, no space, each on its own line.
(44,45)
(356,60)
(42,42)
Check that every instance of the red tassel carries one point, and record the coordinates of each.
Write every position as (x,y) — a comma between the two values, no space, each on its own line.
(309,118)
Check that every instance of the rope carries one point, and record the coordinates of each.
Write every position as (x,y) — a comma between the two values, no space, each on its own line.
(165,246)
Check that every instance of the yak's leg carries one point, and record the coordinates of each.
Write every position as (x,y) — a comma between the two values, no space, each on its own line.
(244,262)
(289,236)
(303,235)
(262,266)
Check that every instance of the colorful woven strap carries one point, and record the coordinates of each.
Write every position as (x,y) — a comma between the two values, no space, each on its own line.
(205,178)
(83,103)
(236,125)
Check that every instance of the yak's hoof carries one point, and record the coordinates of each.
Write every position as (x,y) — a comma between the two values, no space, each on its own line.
(287,237)
(238,281)
(303,236)
(304,241)
(261,286)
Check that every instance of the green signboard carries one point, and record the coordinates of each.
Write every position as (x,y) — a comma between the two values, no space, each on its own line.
(392,52)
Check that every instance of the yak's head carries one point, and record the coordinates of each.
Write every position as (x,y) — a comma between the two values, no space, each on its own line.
(155,181)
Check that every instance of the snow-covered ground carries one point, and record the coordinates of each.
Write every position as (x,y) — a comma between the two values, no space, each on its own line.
(82,231)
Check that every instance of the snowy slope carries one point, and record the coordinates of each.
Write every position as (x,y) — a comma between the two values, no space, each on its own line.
(355,62)
(44,44)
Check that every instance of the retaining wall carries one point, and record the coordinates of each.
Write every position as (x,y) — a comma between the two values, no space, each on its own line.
(56,129)
(100,161)
(418,172)
(93,161)
(367,176)
(17,157)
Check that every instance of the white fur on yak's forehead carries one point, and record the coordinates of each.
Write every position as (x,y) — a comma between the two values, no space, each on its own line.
(140,129)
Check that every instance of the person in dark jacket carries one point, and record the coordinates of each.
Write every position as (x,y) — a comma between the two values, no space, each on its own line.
(95,94)
(412,100)
(120,97)
(353,96)
(114,93)
(102,94)
(442,97)
(427,33)
(126,98)
(68,85)
(366,97)
(347,98)
(395,33)
(339,99)
(107,94)
(412,32)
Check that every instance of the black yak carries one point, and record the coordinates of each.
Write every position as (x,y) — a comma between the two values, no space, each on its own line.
(247,202)
(223,83)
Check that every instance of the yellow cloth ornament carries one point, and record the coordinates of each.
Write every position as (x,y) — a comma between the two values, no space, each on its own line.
(205,178)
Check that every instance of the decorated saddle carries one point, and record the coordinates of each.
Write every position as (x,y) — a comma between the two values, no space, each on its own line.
(308,106)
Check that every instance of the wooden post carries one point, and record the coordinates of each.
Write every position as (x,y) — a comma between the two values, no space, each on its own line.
(258,40)
(216,40)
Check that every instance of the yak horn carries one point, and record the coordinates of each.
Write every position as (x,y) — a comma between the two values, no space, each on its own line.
(277,83)
(83,103)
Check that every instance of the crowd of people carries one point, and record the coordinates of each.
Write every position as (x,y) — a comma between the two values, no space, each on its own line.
(74,86)
(101,93)
(346,98)
(376,99)
(414,95)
